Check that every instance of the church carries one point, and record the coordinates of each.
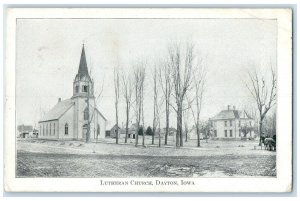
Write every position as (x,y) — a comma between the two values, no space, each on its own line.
(76,118)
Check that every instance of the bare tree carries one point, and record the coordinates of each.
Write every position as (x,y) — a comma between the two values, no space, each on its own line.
(154,103)
(199,84)
(165,81)
(117,95)
(264,94)
(127,94)
(139,78)
(186,116)
(181,59)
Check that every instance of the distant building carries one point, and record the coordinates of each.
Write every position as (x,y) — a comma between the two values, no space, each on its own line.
(230,123)
(113,131)
(24,131)
(69,119)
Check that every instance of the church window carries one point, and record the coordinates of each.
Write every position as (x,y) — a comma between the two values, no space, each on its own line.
(98,129)
(86,114)
(76,88)
(66,129)
(84,88)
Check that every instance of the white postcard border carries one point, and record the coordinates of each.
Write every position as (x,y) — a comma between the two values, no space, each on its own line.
(283,181)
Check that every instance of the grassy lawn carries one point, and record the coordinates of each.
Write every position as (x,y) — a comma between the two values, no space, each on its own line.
(77,159)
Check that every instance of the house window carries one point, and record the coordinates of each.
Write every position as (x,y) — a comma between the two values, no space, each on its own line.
(50,129)
(46,129)
(239,123)
(225,123)
(53,128)
(230,123)
(40,130)
(225,133)
(230,133)
(43,130)
(85,114)
(216,134)
(84,88)
(76,88)
(66,129)
(239,132)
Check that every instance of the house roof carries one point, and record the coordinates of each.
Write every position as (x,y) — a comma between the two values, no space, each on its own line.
(58,110)
(24,128)
(101,114)
(115,127)
(231,114)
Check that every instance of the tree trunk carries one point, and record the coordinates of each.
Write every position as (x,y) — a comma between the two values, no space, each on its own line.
(117,123)
(153,133)
(159,137)
(198,135)
(167,123)
(143,137)
(260,132)
(186,135)
(179,126)
(127,122)
(137,134)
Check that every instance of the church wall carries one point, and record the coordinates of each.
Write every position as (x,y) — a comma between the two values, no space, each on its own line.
(102,123)
(66,118)
(48,130)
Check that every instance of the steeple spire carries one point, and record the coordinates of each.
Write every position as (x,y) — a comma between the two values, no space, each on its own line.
(83,70)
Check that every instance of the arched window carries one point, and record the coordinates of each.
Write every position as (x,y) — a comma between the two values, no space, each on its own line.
(85,114)
(84,88)
(66,129)
(98,129)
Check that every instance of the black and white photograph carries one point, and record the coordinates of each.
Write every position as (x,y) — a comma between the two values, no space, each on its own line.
(157,100)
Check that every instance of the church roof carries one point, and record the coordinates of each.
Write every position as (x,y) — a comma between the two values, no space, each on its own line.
(83,69)
(58,110)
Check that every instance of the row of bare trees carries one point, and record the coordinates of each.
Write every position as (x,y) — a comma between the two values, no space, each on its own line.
(179,82)
(173,77)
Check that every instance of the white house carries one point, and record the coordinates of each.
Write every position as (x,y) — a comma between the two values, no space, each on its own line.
(69,119)
(229,123)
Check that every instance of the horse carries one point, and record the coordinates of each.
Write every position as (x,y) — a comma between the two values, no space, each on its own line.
(270,144)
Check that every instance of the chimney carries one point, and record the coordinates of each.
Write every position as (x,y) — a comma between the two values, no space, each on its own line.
(59,99)
(228,107)
(234,107)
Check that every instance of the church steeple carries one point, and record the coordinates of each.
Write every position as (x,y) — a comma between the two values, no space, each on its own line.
(83,83)
(83,70)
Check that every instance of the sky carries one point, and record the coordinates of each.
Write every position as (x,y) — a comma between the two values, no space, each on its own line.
(48,54)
